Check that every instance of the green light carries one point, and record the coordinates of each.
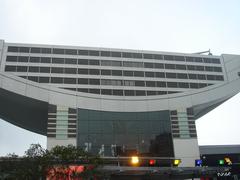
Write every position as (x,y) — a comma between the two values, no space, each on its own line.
(221,162)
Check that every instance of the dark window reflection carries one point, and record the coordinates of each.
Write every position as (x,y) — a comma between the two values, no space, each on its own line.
(123,133)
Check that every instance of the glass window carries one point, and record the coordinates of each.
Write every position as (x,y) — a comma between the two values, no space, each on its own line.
(83,81)
(151,93)
(217,69)
(200,68)
(22,68)
(160,74)
(83,61)
(138,73)
(210,77)
(140,93)
(207,60)
(34,59)
(45,60)
(45,69)
(57,70)
(170,66)
(105,72)
(82,71)
(148,65)
(12,49)
(117,92)
(168,57)
(137,64)
(33,69)
(128,73)
(94,62)
(46,50)
(172,84)
(58,80)
(179,58)
(183,85)
(71,51)
(209,68)
(158,65)
(149,74)
(11,59)
(148,56)
(116,72)
(191,67)
(139,83)
(115,54)
(182,76)
(171,75)
(161,92)
(150,84)
(174,112)
(216,61)
(57,60)
(70,71)
(129,83)
(33,78)
(94,81)
(94,91)
(198,59)
(106,63)
(70,61)
(158,56)
(82,90)
(201,76)
(58,51)
(35,50)
(202,85)
(106,91)
(129,92)
(126,54)
(127,64)
(94,71)
(94,53)
(172,92)
(105,53)
(192,76)
(194,85)
(83,52)
(161,84)
(10,68)
(69,81)
(106,82)
(44,79)
(137,55)
(219,78)
(23,59)
(190,59)
(116,63)
(24,49)
(181,67)
(116,82)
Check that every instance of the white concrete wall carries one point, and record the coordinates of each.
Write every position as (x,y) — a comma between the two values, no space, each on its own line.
(187,150)
(52,142)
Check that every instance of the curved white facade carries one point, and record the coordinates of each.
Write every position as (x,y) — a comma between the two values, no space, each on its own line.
(49,87)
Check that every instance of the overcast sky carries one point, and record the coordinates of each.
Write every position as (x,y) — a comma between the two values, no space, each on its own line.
(171,25)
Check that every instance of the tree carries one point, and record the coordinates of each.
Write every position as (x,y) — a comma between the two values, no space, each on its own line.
(67,161)
(58,163)
(35,150)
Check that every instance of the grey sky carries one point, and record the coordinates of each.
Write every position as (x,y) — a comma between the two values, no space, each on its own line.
(175,26)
